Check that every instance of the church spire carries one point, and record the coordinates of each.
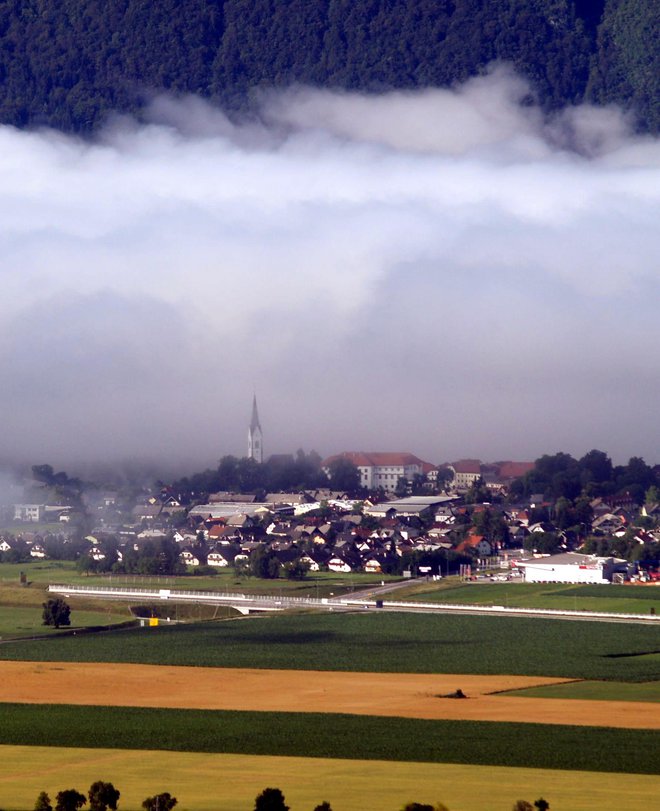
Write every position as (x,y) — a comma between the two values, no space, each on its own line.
(255,438)
(254,422)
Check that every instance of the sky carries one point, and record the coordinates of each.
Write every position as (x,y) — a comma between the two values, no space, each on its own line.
(447,272)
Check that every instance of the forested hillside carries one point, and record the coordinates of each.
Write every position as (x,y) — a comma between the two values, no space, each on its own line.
(67,63)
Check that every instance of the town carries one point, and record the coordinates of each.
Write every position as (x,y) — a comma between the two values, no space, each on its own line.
(556,520)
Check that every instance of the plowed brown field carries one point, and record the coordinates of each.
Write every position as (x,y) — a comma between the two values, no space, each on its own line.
(389,694)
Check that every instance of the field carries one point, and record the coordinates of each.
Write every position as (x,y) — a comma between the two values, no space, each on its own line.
(220,782)
(21,622)
(596,691)
(319,584)
(625,599)
(398,643)
(366,728)
(334,735)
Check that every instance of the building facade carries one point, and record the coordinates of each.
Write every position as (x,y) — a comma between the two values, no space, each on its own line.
(382,469)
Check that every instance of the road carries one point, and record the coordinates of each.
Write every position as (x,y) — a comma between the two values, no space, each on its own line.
(360,601)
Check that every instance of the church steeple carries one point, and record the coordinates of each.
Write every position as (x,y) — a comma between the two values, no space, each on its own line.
(255,438)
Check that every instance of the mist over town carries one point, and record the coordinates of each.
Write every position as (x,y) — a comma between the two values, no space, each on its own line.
(329,449)
(449,271)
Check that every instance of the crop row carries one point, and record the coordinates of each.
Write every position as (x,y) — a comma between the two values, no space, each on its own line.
(333,736)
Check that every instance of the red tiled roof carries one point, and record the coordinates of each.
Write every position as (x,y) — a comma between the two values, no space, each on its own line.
(378,458)
(467,466)
(514,470)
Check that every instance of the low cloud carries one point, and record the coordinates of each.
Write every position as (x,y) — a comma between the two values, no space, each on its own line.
(449,271)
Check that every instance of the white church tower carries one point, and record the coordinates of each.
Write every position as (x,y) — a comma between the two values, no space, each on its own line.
(255,438)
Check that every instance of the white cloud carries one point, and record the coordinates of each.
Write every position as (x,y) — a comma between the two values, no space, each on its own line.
(444,271)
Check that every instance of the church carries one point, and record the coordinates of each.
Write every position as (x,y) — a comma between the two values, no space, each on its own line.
(255,437)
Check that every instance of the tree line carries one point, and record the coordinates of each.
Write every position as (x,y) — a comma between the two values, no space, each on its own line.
(68,65)
(104,796)
(594,475)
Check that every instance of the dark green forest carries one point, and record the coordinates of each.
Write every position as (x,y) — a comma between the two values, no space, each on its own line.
(70,63)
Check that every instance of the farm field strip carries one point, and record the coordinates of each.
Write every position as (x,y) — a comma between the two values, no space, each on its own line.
(395,643)
(217,782)
(333,735)
(594,691)
(377,694)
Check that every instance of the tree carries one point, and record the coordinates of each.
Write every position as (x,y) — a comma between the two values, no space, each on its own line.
(270,799)
(102,796)
(324,806)
(56,612)
(344,475)
(160,802)
(523,805)
(69,800)
(264,563)
(43,803)
(542,804)
(296,569)
(425,807)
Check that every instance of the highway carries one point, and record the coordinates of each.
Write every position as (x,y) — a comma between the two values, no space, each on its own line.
(370,600)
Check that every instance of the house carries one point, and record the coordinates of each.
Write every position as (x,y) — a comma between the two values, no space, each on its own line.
(465,473)
(37,551)
(222,557)
(382,470)
(475,544)
(189,558)
(345,560)
(29,513)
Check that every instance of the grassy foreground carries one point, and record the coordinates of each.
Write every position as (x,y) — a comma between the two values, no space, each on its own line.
(212,782)
(334,736)
(398,643)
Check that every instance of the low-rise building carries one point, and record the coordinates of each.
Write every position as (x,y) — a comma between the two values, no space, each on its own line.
(571,567)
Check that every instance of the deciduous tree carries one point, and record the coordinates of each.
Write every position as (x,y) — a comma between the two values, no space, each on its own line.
(56,612)
(43,802)
(69,800)
(270,799)
(102,796)
(160,802)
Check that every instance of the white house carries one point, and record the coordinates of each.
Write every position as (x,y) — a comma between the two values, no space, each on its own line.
(33,513)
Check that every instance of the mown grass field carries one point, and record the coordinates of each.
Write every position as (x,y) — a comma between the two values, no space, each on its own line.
(218,782)
(17,622)
(595,690)
(624,599)
(333,736)
(400,643)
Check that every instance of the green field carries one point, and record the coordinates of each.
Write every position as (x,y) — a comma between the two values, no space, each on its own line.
(217,782)
(333,736)
(595,690)
(318,584)
(21,622)
(625,599)
(401,643)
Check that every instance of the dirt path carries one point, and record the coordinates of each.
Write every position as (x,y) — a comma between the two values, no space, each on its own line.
(389,694)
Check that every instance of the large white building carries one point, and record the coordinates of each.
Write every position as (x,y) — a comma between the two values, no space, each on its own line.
(382,469)
(571,567)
